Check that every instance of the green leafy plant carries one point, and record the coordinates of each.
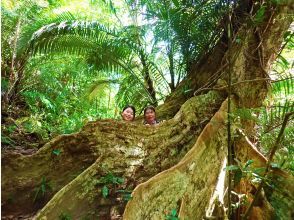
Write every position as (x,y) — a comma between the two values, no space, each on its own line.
(172,215)
(44,188)
(64,216)
(7,140)
(56,152)
(109,181)
(259,16)
(246,171)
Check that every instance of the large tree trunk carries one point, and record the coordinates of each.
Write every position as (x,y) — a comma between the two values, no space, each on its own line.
(174,165)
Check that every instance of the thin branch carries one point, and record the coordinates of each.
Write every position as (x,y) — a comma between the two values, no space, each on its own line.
(230,150)
(233,84)
(211,79)
(279,80)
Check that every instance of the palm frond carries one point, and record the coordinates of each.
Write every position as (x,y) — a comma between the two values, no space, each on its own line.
(98,87)
(280,102)
(88,30)
(28,31)
(274,115)
(131,93)
(284,87)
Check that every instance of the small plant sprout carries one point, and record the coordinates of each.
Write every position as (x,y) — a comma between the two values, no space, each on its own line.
(41,191)
(172,215)
(109,180)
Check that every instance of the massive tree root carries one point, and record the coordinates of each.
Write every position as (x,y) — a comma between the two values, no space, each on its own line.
(188,186)
(132,151)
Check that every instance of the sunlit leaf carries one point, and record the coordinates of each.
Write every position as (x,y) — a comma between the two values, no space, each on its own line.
(105,191)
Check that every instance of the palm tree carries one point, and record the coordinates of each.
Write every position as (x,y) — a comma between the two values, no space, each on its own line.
(179,34)
(19,24)
(186,28)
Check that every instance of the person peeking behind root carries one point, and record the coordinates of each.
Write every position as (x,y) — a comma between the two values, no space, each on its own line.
(128,113)
(150,116)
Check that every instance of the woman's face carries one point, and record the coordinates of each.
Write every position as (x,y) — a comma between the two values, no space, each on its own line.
(149,116)
(128,114)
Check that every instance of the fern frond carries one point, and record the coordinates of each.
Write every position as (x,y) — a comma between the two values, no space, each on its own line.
(98,87)
(28,31)
(284,86)
(130,92)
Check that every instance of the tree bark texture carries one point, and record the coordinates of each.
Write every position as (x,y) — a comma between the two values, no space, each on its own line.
(174,165)
(132,151)
(253,49)
(188,185)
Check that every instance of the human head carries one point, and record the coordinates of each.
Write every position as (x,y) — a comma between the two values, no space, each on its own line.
(128,113)
(150,115)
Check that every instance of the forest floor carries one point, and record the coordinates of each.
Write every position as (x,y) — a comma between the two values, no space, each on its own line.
(19,142)
(15,137)
(15,140)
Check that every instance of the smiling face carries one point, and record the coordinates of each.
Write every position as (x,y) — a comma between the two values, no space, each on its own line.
(150,116)
(128,114)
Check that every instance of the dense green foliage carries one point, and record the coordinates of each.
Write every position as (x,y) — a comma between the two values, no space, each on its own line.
(65,64)
(67,68)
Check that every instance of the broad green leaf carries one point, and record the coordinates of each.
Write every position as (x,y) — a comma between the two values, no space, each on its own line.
(104,191)
(248,163)
(259,15)
(119,180)
(56,152)
(174,212)
(259,170)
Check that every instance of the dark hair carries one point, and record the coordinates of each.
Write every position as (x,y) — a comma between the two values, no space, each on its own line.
(149,107)
(130,106)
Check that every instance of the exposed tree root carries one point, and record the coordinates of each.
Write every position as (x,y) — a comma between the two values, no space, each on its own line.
(132,151)
(187,186)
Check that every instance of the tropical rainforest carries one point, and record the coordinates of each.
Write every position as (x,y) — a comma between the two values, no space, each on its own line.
(219,74)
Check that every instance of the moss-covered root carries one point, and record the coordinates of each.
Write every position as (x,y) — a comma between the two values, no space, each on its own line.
(74,196)
(187,186)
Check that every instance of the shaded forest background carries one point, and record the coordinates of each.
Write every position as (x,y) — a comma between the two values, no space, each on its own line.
(65,64)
